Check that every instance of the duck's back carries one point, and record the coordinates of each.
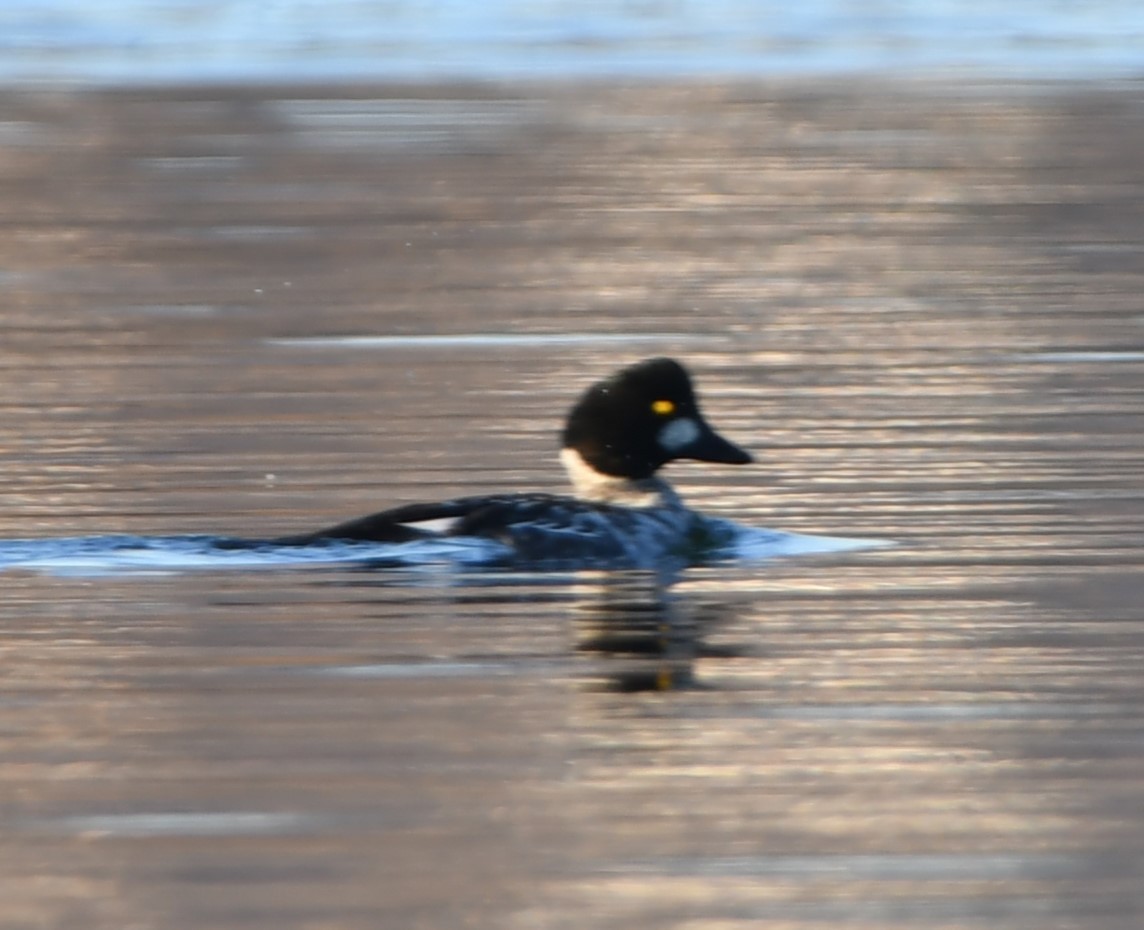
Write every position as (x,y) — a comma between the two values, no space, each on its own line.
(538,528)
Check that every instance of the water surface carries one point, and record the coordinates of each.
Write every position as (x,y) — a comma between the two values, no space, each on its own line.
(144,41)
(241,313)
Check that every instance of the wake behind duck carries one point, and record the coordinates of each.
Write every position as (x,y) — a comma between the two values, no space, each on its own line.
(622,514)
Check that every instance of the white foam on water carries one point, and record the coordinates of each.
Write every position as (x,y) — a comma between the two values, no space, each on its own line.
(91,556)
(758,544)
(94,556)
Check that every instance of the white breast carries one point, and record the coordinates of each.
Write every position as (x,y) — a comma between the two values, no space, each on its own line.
(593,485)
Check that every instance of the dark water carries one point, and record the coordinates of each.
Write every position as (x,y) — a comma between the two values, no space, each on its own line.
(919,307)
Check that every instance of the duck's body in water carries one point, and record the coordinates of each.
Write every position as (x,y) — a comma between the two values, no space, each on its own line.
(617,437)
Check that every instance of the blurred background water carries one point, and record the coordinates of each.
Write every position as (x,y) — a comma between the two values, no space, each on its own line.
(227,40)
(232,307)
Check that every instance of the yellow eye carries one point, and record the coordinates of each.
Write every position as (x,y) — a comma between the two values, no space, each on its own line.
(663,407)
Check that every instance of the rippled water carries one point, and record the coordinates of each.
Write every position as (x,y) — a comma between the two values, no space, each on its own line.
(239,314)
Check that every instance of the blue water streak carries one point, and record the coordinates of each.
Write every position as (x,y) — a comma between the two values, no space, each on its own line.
(123,555)
(140,41)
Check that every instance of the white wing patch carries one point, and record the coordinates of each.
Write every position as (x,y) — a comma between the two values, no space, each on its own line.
(441,525)
(678,434)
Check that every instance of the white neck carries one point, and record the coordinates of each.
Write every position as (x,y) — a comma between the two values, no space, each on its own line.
(593,485)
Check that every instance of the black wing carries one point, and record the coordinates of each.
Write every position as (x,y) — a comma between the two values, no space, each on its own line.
(474,516)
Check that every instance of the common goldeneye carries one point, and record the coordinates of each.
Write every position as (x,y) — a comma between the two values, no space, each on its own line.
(618,435)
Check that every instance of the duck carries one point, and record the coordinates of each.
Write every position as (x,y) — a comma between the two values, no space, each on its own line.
(622,513)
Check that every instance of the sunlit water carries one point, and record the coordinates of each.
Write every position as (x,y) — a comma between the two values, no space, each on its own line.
(238,315)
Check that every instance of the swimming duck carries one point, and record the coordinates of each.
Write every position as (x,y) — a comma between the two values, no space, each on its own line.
(617,437)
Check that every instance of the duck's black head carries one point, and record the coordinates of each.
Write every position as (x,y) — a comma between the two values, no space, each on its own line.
(642,417)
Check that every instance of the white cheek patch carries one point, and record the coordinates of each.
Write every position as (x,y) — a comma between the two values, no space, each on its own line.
(678,434)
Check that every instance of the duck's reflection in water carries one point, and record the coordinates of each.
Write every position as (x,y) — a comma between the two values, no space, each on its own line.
(643,635)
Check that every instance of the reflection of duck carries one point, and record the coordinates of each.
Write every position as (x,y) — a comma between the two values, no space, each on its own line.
(643,638)
(635,626)
(618,435)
